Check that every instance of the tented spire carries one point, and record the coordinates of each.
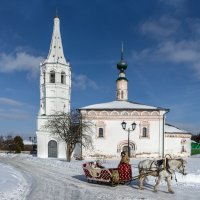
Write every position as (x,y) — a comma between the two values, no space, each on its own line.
(56,54)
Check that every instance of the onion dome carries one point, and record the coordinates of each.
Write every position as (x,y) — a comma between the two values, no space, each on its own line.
(122,65)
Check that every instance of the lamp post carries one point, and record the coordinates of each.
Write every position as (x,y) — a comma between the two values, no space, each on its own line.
(133,126)
(33,141)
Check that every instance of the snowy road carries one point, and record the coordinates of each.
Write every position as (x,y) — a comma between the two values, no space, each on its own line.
(57,180)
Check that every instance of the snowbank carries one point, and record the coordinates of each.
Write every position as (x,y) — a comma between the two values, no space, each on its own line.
(12,184)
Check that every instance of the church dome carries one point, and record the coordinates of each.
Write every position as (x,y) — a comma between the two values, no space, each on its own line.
(122,65)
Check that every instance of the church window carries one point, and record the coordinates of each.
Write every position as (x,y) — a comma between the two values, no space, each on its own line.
(101,132)
(63,81)
(144,129)
(52,77)
(122,93)
(144,132)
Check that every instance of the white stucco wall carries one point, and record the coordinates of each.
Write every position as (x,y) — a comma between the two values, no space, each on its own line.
(114,134)
(43,138)
(42,149)
(173,145)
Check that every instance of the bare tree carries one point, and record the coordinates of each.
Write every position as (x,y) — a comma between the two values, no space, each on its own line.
(1,142)
(196,137)
(72,128)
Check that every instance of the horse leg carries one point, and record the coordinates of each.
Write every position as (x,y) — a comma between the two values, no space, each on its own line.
(141,180)
(157,183)
(168,180)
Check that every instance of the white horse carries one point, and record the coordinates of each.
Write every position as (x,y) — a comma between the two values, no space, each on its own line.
(161,169)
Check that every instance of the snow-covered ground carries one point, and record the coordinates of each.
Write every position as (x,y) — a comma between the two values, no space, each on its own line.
(26,177)
(12,184)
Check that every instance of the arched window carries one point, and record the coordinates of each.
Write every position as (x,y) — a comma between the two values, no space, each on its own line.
(44,78)
(63,80)
(144,132)
(52,77)
(100,132)
(122,94)
(101,129)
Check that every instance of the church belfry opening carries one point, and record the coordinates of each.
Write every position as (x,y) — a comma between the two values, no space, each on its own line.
(52,77)
(63,77)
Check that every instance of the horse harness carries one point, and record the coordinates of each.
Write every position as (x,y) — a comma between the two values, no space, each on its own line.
(163,164)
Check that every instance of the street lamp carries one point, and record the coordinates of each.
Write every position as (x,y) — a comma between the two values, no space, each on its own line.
(133,126)
(33,141)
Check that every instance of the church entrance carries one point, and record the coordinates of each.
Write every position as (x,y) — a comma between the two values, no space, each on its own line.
(52,149)
(125,148)
(131,147)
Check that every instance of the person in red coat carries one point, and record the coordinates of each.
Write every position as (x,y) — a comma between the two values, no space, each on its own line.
(124,158)
(124,168)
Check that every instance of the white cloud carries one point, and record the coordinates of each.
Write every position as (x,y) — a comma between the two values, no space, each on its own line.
(186,52)
(82,82)
(20,61)
(14,116)
(10,102)
(14,110)
(165,26)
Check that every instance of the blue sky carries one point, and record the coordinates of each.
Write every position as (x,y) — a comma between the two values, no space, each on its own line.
(161,43)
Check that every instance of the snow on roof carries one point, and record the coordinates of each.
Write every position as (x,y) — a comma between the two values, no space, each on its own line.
(121,105)
(27,142)
(172,129)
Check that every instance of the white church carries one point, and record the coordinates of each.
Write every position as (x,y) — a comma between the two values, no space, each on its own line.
(146,133)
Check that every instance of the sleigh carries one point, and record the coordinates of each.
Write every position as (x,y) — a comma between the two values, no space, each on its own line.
(111,176)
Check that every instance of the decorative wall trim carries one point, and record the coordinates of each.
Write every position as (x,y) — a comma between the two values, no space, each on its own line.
(122,115)
(114,113)
(178,135)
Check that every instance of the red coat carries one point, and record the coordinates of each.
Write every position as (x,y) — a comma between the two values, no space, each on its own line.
(125,172)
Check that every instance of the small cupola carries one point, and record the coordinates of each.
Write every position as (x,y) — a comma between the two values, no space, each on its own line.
(122,82)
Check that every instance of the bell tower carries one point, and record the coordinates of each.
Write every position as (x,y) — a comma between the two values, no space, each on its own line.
(122,82)
(55,92)
(55,77)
